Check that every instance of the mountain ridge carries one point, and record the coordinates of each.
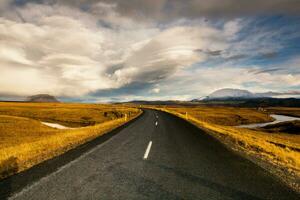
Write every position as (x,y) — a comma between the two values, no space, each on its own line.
(232,93)
(42,98)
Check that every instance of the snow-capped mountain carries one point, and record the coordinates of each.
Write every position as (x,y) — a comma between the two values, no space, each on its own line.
(230,93)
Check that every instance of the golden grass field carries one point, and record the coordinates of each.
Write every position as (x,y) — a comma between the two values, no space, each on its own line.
(24,141)
(68,114)
(280,149)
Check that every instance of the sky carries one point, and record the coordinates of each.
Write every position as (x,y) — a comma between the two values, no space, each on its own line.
(122,50)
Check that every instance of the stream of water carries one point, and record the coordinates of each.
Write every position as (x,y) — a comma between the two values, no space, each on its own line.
(278,118)
(54,125)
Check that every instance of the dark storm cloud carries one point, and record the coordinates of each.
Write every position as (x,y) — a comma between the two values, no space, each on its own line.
(134,88)
(169,9)
(195,8)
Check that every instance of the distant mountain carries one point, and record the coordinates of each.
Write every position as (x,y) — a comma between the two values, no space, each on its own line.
(230,93)
(198,99)
(42,98)
(270,102)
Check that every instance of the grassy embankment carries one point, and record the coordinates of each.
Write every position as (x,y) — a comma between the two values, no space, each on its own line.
(280,149)
(291,127)
(25,142)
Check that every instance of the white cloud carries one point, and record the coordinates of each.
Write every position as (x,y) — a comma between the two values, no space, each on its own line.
(203,81)
(171,49)
(64,51)
(232,27)
(155,90)
(71,55)
(59,55)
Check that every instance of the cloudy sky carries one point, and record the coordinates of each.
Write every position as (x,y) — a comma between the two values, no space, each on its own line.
(119,50)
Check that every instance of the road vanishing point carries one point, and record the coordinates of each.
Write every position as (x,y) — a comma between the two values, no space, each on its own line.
(156,156)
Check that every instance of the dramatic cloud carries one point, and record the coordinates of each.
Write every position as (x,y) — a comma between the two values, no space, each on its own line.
(166,9)
(202,81)
(68,57)
(56,53)
(171,49)
(59,56)
(114,49)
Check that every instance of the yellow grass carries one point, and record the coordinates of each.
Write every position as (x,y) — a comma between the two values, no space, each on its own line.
(69,114)
(228,116)
(280,149)
(25,142)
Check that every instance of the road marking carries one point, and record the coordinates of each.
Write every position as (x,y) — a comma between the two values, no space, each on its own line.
(147,150)
(46,178)
(156,123)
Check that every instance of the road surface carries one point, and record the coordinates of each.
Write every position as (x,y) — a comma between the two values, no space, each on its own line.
(158,156)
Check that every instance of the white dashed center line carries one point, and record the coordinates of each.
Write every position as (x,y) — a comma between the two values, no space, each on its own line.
(147,150)
(156,123)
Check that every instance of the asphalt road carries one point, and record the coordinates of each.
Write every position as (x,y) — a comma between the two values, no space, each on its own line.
(158,156)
